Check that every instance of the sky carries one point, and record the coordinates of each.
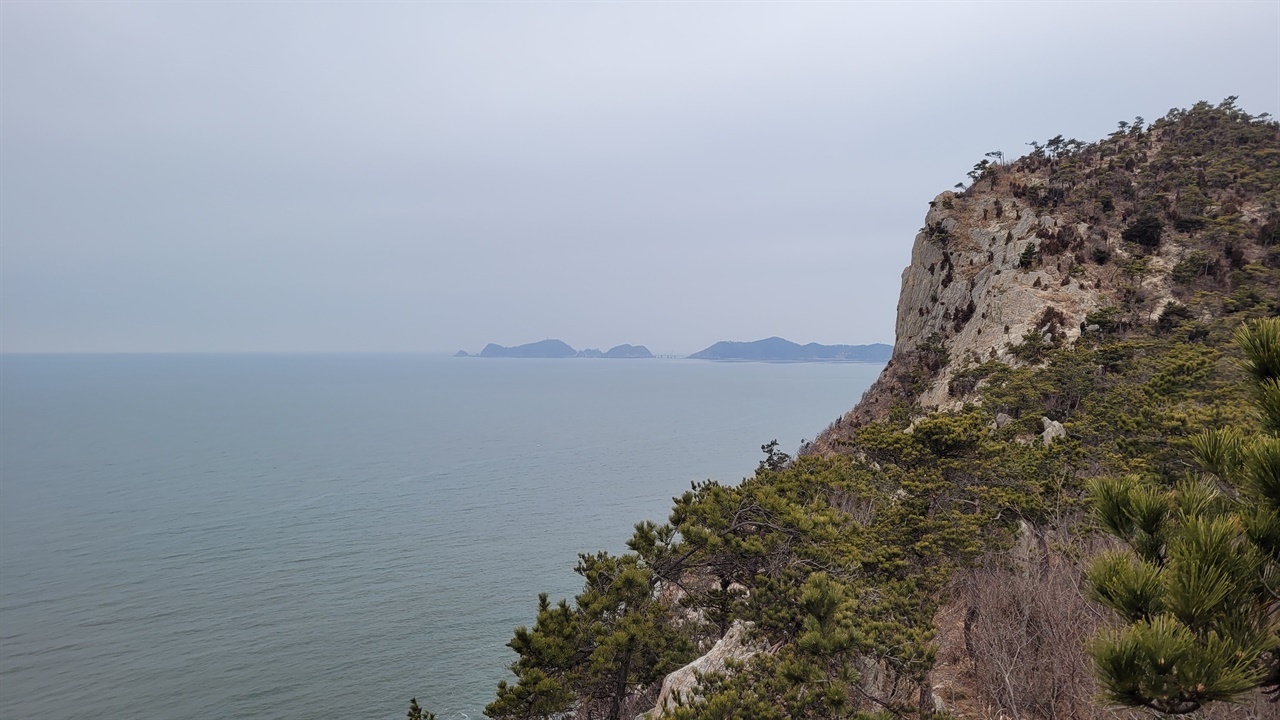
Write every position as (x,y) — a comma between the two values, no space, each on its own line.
(387,177)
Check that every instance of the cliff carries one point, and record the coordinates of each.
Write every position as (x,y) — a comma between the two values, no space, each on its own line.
(1034,246)
(1068,317)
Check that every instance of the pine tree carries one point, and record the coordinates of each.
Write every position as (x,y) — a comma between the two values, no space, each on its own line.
(617,637)
(1028,256)
(417,713)
(547,656)
(1199,587)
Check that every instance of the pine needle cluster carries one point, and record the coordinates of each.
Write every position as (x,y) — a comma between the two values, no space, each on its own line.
(1197,587)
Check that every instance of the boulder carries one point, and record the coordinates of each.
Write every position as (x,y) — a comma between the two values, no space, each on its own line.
(1053,430)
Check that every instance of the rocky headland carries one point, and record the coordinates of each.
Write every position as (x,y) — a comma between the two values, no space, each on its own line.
(1068,319)
(776,349)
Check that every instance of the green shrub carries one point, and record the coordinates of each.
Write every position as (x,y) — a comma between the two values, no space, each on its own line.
(1144,231)
(1174,314)
(1107,319)
(1195,265)
(1029,256)
(1032,348)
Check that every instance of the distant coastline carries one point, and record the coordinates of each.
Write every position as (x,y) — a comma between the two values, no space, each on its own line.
(773,349)
(776,349)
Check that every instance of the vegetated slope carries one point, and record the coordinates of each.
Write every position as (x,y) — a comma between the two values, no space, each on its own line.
(625,351)
(1068,316)
(776,349)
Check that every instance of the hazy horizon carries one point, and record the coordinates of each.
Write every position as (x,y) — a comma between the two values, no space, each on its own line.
(322,177)
(681,352)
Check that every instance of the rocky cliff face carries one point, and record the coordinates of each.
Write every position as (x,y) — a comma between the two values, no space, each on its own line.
(1017,256)
(966,291)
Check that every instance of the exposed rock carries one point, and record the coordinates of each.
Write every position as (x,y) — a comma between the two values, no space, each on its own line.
(1053,430)
(1026,547)
(938,705)
(683,683)
(1002,420)
(967,299)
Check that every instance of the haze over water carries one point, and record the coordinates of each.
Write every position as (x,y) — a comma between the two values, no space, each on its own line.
(269,536)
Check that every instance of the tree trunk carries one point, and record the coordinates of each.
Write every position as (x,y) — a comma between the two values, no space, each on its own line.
(620,689)
(926,698)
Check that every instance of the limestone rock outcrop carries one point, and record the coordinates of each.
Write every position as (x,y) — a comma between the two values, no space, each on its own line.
(987,271)
(683,683)
(1053,430)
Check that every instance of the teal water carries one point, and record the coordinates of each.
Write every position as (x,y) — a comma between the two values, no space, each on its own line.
(329,535)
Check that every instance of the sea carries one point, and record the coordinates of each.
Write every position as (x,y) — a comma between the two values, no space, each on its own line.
(329,535)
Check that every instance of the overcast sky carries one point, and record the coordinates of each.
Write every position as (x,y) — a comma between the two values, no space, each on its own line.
(411,176)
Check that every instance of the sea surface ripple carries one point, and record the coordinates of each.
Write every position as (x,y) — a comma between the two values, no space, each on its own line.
(279,536)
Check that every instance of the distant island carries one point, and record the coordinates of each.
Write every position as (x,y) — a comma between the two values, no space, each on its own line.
(558,349)
(776,349)
(628,351)
(540,349)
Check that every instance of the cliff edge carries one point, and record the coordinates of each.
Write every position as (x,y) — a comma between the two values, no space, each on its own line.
(1068,317)
(1033,247)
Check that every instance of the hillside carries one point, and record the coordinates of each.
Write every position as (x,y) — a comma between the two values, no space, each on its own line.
(1181,214)
(559,349)
(776,349)
(628,352)
(1068,317)
(540,349)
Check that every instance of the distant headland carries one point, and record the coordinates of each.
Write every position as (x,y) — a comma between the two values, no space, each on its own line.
(774,349)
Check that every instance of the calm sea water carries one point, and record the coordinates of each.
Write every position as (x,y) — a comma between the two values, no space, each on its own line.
(329,535)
